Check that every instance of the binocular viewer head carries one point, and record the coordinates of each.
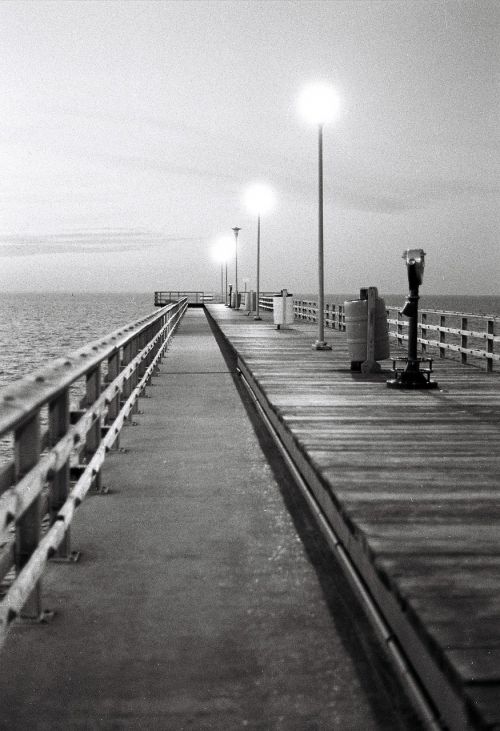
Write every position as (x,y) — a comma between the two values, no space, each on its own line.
(415,263)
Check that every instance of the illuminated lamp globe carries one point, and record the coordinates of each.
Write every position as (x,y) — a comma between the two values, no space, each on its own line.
(223,249)
(319,103)
(259,198)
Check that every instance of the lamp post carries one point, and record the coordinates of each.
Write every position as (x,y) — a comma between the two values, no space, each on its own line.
(222,252)
(236,232)
(259,199)
(319,104)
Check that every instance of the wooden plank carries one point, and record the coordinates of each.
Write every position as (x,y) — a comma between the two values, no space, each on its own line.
(414,478)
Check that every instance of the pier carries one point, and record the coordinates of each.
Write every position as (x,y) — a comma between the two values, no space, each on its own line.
(272,541)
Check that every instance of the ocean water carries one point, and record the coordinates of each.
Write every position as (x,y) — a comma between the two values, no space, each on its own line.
(38,327)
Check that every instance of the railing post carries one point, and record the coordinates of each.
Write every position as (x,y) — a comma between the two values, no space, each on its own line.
(114,404)
(490,344)
(127,386)
(134,379)
(399,327)
(93,439)
(423,331)
(463,339)
(60,482)
(442,336)
(27,444)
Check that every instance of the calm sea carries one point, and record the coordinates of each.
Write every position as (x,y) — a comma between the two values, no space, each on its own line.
(37,327)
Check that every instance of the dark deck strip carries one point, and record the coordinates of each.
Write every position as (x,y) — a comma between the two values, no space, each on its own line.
(409,481)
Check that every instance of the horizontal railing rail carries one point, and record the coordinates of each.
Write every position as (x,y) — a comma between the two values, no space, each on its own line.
(471,338)
(266,301)
(58,448)
(308,310)
(193,297)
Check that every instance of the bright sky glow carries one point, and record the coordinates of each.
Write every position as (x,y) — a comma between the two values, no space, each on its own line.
(319,103)
(129,130)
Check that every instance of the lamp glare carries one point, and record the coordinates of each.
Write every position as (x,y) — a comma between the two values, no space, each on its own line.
(259,198)
(319,103)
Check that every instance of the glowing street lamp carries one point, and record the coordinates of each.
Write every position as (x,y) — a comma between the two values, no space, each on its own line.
(236,231)
(259,199)
(223,250)
(319,104)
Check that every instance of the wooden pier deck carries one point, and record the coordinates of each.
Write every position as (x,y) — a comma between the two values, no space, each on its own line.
(409,483)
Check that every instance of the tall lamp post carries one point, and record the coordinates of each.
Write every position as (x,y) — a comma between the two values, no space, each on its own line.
(319,104)
(259,199)
(236,231)
(222,252)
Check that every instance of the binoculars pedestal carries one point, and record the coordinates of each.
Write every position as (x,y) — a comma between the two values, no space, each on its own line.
(412,376)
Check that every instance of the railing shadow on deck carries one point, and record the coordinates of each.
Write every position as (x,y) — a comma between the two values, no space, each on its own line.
(58,448)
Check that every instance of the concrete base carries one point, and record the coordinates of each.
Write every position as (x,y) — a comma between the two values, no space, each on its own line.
(321,345)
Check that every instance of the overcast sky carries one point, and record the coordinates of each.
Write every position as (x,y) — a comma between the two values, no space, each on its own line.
(130,130)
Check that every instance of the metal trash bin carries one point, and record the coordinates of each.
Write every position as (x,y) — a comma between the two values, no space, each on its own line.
(367,330)
(233,300)
(283,313)
(250,301)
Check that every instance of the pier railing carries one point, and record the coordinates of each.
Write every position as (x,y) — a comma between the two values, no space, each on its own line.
(468,337)
(472,339)
(193,297)
(308,310)
(58,447)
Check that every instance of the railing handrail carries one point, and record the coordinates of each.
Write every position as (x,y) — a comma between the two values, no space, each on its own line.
(197,296)
(25,395)
(451,313)
(37,481)
(334,314)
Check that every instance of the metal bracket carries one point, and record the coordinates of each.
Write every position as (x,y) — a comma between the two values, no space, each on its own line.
(72,557)
(45,616)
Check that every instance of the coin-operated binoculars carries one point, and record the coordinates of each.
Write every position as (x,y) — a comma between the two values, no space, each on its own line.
(412,376)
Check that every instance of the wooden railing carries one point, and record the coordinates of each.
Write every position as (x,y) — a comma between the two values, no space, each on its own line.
(193,297)
(471,338)
(58,448)
(308,310)
(468,337)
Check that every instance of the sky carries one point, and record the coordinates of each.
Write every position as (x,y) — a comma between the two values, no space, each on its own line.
(129,132)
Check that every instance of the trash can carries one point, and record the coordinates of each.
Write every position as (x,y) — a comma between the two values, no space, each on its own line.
(250,301)
(366,328)
(283,309)
(233,300)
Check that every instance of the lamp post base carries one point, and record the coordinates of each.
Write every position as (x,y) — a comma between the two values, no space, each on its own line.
(321,345)
(257,317)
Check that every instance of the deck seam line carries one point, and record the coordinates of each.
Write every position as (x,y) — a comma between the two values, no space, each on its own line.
(407,674)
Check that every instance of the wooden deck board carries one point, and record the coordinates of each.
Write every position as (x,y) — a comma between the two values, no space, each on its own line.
(414,477)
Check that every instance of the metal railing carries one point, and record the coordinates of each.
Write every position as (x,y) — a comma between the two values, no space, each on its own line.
(193,297)
(58,448)
(468,337)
